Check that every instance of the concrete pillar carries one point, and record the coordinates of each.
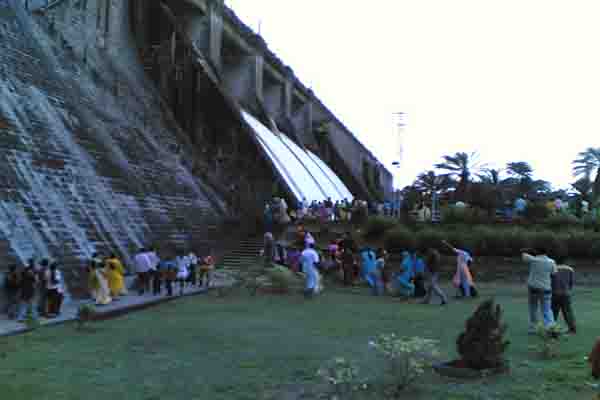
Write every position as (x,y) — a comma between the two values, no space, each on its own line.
(259,70)
(287,99)
(215,35)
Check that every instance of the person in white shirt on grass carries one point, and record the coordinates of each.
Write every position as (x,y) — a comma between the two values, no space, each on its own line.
(143,267)
(539,283)
(309,260)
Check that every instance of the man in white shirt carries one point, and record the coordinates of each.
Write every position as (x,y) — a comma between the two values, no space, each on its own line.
(143,266)
(309,259)
(55,290)
(541,268)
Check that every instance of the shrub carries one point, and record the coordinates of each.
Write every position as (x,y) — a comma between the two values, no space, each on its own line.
(562,221)
(407,358)
(400,238)
(591,223)
(537,212)
(579,244)
(377,226)
(85,313)
(546,241)
(467,215)
(430,238)
(551,339)
(482,345)
(343,376)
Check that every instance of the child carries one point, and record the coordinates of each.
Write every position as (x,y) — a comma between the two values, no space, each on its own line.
(562,284)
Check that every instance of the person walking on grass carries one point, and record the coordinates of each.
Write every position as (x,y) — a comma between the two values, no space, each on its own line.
(432,264)
(539,283)
(309,260)
(562,284)
(463,279)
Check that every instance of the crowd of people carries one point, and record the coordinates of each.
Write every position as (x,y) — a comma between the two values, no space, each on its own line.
(550,280)
(417,276)
(36,289)
(277,211)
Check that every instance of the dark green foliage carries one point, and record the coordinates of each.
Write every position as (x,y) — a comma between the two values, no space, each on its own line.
(537,212)
(470,215)
(562,221)
(400,238)
(377,226)
(430,238)
(482,345)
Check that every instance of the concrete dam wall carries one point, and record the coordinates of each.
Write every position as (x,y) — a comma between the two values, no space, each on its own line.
(90,159)
(121,125)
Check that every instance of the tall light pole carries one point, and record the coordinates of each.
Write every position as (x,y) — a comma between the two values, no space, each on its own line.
(399,119)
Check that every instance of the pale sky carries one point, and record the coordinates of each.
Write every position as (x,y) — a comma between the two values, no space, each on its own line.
(514,80)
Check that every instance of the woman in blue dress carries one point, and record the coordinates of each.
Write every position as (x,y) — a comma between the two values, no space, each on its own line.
(403,281)
(368,261)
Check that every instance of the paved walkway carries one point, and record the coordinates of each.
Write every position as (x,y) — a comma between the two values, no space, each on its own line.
(130,302)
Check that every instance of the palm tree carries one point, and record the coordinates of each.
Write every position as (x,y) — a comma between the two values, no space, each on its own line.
(520,169)
(490,191)
(520,178)
(460,166)
(586,164)
(583,188)
(428,182)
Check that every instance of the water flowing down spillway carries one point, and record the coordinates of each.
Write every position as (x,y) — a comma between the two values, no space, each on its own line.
(304,173)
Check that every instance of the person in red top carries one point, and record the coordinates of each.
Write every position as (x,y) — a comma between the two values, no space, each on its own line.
(206,269)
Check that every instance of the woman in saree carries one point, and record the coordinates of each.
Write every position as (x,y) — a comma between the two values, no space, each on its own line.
(97,283)
(115,273)
(463,280)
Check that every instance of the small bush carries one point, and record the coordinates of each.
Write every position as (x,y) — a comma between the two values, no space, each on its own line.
(482,344)
(430,238)
(591,223)
(342,376)
(546,240)
(467,215)
(551,339)
(537,212)
(85,314)
(377,226)
(579,244)
(400,238)
(562,221)
(407,358)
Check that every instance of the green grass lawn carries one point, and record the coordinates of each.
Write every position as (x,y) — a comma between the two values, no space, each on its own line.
(241,347)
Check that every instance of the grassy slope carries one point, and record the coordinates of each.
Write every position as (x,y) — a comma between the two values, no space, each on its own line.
(242,348)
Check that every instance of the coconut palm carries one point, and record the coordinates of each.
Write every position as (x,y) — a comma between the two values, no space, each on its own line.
(520,169)
(489,192)
(461,166)
(428,182)
(586,165)
(583,188)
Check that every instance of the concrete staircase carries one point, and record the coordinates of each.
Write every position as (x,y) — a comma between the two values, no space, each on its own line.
(243,257)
